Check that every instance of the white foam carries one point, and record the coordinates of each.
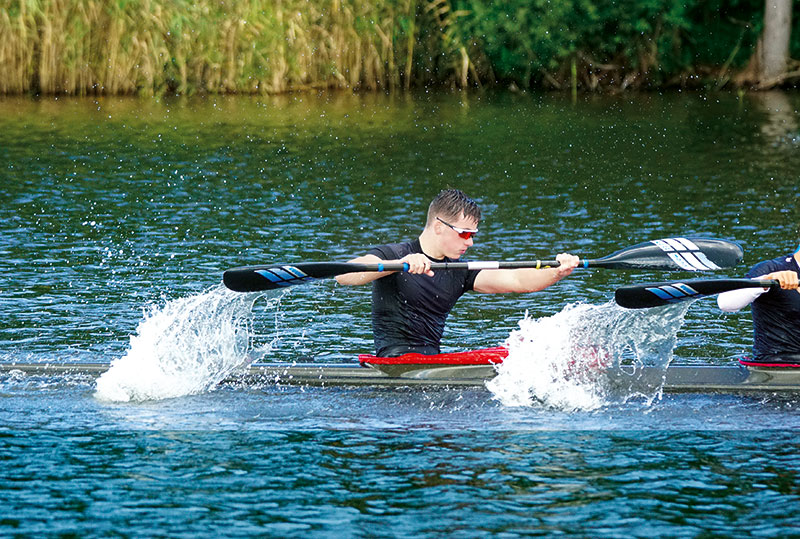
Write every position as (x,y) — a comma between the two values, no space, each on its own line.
(187,346)
(561,361)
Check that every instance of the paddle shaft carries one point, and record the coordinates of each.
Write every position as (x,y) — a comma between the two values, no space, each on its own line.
(479,265)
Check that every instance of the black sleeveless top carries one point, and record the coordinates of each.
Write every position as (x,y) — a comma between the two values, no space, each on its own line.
(776,315)
(409,311)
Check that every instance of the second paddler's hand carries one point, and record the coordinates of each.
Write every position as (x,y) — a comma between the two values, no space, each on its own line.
(787,279)
(418,263)
(567,263)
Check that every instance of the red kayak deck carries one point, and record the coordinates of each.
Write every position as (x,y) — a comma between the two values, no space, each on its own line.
(473,364)
(485,356)
(768,365)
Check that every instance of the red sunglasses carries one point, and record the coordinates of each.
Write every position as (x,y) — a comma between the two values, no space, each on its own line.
(463,233)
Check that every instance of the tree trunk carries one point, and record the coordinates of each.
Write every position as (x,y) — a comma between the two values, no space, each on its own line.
(773,46)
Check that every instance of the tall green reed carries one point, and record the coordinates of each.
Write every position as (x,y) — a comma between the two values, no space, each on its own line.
(159,46)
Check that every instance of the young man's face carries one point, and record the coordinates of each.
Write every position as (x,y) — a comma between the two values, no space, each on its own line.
(456,235)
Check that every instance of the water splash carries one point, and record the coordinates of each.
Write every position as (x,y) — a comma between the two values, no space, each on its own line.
(187,346)
(564,361)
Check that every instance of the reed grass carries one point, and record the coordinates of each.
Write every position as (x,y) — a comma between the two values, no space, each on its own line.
(182,46)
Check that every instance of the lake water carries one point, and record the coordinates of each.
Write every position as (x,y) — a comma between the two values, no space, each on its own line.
(119,216)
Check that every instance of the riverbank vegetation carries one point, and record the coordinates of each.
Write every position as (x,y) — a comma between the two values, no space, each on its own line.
(155,47)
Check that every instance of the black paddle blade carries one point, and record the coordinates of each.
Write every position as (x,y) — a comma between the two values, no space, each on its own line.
(643,296)
(689,254)
(258,278)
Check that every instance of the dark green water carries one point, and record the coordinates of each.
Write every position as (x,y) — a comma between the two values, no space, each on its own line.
(111,206)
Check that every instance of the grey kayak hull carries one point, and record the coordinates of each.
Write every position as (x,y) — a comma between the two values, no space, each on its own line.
(678,378)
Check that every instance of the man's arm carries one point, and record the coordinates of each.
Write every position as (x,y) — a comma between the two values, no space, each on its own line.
(417,263)
(524,280)
(738,299)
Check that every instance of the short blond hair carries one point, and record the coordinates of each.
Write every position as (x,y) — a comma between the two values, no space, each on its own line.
(451,204)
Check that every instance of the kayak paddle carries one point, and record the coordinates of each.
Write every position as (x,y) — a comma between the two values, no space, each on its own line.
(643,296)
(696,254)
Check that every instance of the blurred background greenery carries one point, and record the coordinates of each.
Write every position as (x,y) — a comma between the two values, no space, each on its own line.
(158,47)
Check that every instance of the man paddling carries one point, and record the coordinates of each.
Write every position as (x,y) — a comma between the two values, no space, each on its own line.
(409,309)
(776,311)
